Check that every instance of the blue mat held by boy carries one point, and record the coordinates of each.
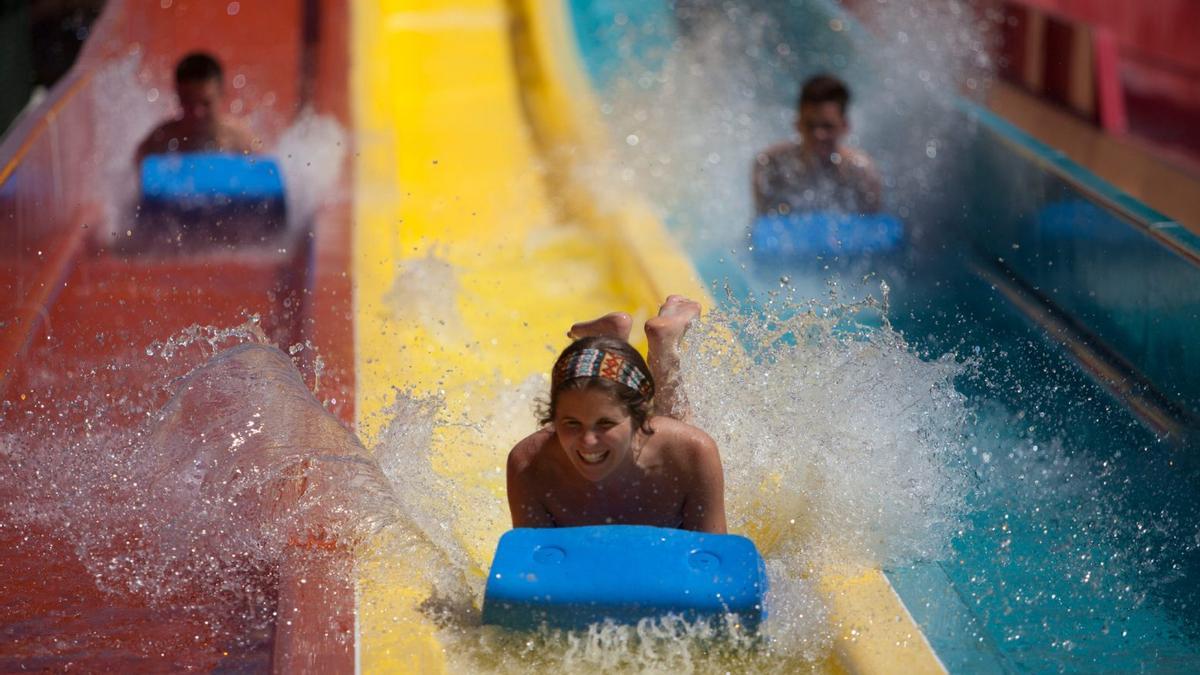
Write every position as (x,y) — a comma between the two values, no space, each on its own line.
(822,233)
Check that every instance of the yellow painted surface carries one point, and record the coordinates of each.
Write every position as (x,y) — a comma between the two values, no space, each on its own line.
(475,247)
(468,272)
(876,634)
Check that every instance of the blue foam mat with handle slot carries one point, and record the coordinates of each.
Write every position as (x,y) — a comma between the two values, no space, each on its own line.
(572,577)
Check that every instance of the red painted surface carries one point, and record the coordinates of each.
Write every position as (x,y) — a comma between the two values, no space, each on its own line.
(330,325)
(1163,29)
(68,308)
(1146,62)
(1110,100)
(1014,36)
(52,619)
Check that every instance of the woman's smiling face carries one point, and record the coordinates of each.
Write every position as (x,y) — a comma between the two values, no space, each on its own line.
(594,430)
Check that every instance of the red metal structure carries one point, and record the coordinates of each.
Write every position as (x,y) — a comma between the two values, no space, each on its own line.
(1131,67)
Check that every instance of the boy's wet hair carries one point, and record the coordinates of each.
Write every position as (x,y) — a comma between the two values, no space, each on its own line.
(198,67)
(637,403)
(824,89)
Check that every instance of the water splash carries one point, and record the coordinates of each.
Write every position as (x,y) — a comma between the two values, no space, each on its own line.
(852,438)
(190,506)
(725,88)
(312,153)
(841,448)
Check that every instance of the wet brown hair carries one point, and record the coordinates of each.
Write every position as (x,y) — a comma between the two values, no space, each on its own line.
(198,67)
(635,402)
(824,89)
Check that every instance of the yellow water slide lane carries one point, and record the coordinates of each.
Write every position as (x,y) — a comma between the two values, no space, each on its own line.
(477,241)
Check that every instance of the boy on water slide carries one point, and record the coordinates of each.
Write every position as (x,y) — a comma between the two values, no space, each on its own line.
(617,447)
(819,172)
(203,125)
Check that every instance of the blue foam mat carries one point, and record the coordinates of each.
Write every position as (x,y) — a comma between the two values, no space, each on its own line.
(576,576)
(207,177)
(825,234)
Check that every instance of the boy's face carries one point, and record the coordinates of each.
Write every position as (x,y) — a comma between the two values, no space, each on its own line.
(200,100)
(821,126)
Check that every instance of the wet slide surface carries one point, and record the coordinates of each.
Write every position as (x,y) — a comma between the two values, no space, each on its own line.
(468,275)
(1077,552)
(83,331)
(475,248)
(476,244)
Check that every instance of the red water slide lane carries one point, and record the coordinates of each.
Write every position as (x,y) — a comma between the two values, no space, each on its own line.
(68,306)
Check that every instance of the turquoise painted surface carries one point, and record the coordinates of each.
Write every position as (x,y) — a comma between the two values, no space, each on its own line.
(1081,555)
(611,34)
(1094,252)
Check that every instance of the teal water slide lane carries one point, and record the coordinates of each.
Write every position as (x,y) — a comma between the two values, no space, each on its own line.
(1036,591)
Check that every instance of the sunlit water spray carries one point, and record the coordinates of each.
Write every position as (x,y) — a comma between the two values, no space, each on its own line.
(1070,552)
(189,505)
(718,85)
(842,448)
(841,451)
(837,445)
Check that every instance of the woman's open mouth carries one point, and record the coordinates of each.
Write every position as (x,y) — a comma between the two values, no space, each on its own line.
(592,457)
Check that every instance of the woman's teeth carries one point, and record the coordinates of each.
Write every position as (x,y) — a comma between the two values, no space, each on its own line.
(593,458)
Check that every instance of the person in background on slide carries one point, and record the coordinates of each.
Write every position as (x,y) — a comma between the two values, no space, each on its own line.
(203,125)
(818,172)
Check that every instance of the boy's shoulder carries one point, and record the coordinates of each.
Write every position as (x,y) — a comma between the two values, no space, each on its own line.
(156,141)
(857,158)
(778,151)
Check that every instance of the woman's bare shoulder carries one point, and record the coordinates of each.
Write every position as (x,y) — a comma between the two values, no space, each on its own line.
(529,450)
(684,441)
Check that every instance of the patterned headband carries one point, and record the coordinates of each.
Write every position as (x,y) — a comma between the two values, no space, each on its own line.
(593,362)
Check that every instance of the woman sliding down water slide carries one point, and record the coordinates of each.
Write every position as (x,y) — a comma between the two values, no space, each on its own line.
(616,450)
